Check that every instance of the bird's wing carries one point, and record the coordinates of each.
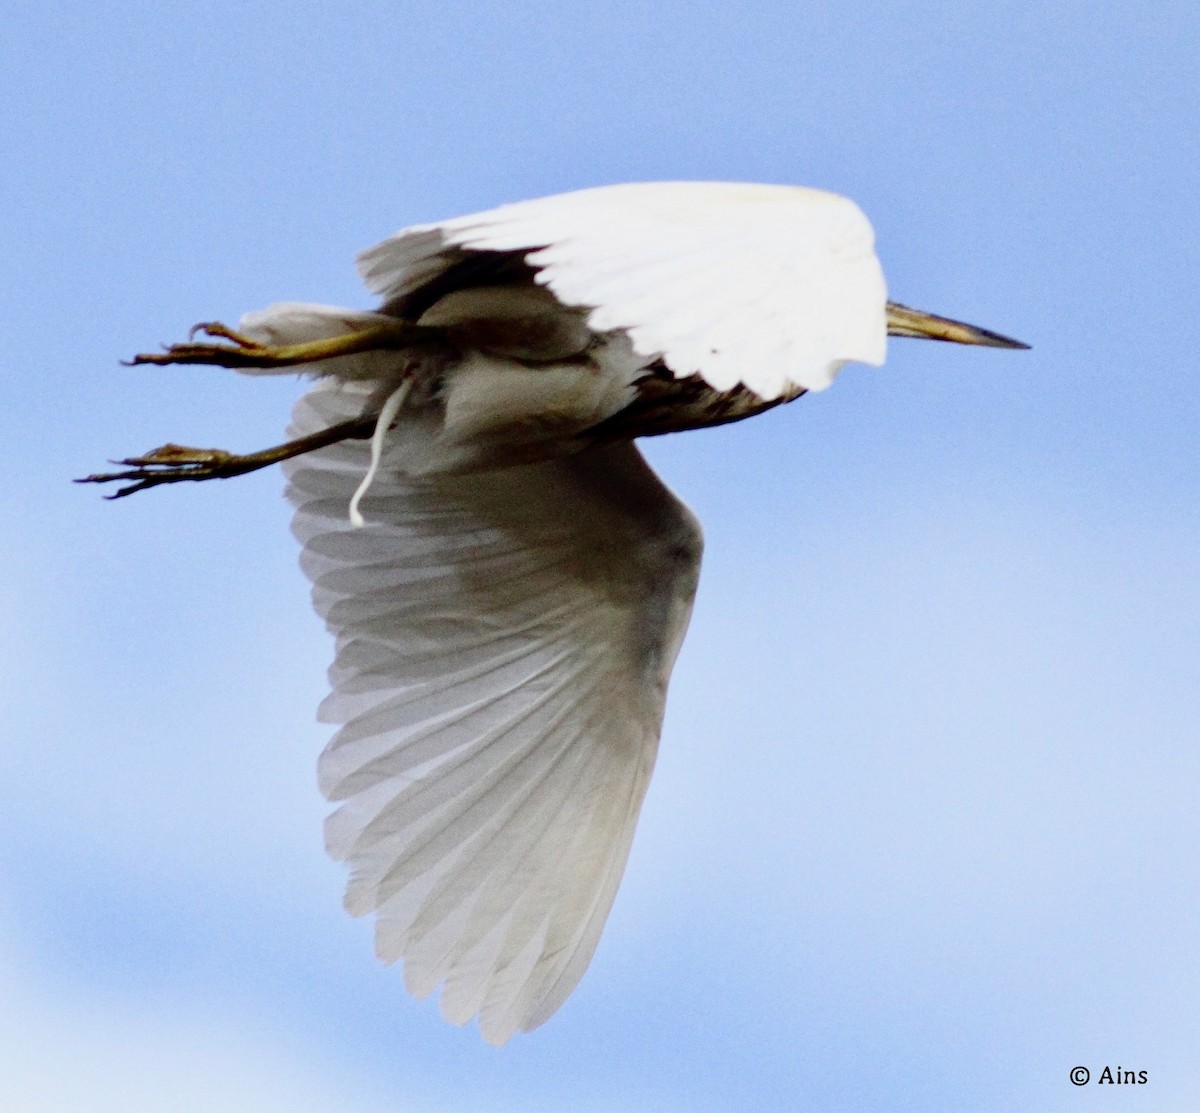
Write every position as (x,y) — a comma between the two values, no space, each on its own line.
(504,641)
(772,287)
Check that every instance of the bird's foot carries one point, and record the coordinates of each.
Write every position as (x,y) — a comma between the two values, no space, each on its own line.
(244,351)
(177,463)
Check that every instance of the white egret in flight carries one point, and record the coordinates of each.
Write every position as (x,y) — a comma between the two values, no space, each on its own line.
(507,580)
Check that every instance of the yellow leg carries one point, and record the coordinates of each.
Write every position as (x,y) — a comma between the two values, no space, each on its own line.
(242,351)
(176,463)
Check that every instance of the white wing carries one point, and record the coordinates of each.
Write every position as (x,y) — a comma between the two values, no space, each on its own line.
(774,287)
(504,645)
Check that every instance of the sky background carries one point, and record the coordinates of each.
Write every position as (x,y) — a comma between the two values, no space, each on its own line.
(923,833)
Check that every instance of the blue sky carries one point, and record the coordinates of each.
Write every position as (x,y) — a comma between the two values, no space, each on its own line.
(923,832)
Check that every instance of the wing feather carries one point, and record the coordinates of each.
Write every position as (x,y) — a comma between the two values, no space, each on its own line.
(504,641)
(771,287)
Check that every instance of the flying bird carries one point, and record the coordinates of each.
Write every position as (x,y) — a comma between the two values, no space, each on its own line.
(507,581)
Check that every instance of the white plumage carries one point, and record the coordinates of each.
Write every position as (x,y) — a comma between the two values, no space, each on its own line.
(771,287)
(507,617)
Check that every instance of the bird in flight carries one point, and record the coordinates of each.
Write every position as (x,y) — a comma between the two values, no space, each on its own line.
(507,581)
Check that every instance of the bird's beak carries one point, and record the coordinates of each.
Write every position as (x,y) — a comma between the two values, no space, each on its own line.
(903,321)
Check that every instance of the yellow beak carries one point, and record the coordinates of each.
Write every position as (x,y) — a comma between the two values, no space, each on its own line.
(903,321)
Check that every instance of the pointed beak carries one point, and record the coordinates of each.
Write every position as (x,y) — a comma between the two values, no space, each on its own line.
(902,321)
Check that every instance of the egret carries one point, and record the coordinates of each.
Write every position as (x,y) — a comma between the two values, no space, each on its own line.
(507,580)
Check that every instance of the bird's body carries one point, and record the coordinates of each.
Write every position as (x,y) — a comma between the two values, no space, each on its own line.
(508,614)
(564,322)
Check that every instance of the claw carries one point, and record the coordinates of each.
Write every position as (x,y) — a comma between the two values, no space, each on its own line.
(216,328)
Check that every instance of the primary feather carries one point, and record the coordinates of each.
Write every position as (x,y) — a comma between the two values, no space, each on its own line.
(504,643)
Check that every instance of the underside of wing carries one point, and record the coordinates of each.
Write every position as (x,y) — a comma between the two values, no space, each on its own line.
(504,641)
(770,287)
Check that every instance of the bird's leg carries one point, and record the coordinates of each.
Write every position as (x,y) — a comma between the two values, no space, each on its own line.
(175,463)
(244,351)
